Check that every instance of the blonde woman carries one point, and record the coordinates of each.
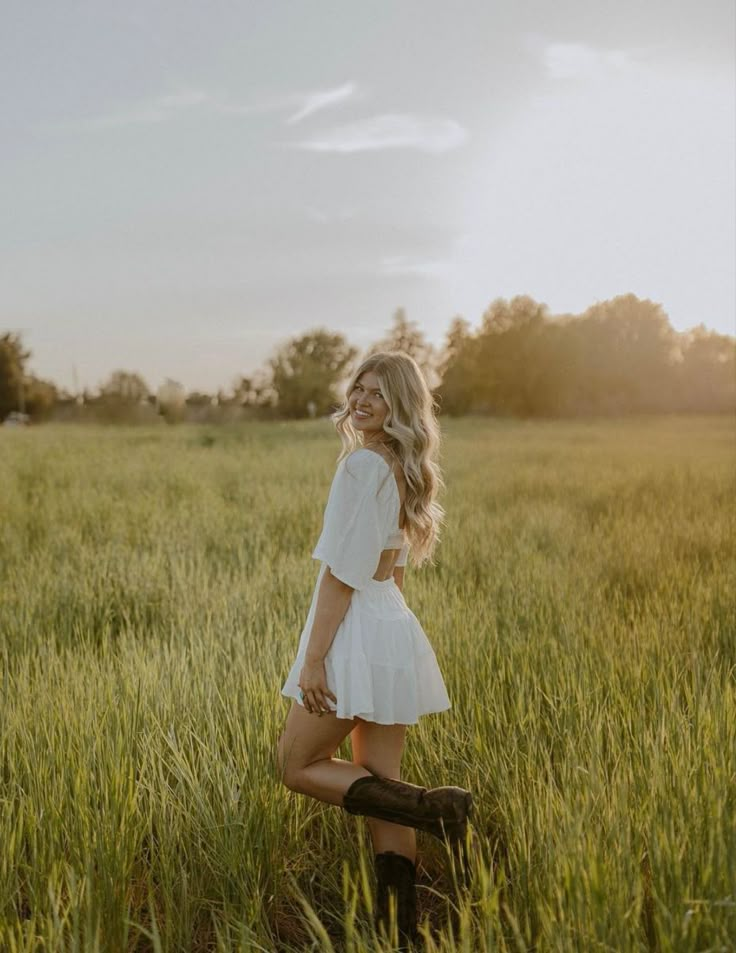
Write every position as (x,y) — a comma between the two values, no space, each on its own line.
(364,665)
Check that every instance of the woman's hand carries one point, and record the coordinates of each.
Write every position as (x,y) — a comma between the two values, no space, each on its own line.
(313,683)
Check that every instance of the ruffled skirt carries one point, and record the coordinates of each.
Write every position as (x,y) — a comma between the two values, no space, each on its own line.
(380,666)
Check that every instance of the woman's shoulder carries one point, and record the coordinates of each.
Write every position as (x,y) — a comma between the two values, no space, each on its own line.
(364,462)
(373,458)
(366,469)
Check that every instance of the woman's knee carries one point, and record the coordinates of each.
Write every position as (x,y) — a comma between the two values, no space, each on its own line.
(287,768)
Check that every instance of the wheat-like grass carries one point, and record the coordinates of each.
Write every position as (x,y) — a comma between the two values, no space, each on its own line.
(152,589)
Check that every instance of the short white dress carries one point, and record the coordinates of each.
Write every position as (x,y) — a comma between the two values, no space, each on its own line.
(380,666)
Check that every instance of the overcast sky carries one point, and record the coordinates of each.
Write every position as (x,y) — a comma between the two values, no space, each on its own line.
(186,184)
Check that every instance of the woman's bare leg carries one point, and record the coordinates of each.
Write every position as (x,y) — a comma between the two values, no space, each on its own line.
(305,755)
(379,748)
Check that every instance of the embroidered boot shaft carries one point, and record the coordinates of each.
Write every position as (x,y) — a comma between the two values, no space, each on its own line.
(442,812)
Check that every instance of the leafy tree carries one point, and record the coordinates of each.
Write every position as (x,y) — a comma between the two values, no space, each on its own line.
(19,390)
(306,371)
(706,373)
(405,335)
(254,392)
(12,367)
(502,368)
(196,398)
(457,368)
(40,398)
(125,387)
(121,397)
(623,353)
(619,356)
(509,361)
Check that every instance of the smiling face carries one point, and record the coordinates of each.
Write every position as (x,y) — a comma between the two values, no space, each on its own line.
(368,407)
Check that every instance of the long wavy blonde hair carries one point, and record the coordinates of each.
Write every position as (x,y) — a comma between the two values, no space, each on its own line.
(413,437)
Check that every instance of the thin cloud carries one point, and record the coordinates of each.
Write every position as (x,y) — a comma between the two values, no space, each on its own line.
(167,107)
(305,104)
(262,107)
(389,131)
(316,102)
(156,110)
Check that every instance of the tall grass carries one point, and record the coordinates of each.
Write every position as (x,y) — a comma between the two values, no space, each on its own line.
(152,588)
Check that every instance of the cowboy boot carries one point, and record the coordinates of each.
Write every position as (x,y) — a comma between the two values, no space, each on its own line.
(442,812)
(396,876)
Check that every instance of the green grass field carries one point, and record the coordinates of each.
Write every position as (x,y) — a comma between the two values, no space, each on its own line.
(152,589)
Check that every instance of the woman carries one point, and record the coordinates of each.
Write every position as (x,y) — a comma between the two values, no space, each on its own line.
(364,666)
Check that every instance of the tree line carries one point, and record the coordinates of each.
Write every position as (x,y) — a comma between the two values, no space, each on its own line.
(620,356)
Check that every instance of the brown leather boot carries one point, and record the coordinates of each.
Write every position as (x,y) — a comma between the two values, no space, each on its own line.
(443,812)
(396,876)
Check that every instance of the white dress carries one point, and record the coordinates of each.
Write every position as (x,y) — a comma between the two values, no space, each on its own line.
(380,666)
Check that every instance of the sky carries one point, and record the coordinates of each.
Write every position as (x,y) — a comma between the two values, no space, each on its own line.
(185,185)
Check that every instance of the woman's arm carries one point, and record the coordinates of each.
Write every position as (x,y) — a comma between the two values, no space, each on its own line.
(333,600)
(350,545)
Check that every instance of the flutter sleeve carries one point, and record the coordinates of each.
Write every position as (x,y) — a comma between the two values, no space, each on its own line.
(403,555)
(354,527)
